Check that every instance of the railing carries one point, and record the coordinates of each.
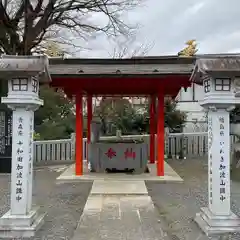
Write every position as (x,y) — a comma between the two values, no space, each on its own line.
(53,151)
(187,145)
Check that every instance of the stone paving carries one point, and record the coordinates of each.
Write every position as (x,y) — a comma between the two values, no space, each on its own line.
(120,187)
(120,218)
(119,210)
(69,175)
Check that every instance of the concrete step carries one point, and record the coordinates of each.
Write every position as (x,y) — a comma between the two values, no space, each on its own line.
(118,187)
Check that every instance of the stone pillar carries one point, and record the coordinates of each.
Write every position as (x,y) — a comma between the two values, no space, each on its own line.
(73,146)
(22,220)
(219,148)
(217,218)
(22,215)
(219,99)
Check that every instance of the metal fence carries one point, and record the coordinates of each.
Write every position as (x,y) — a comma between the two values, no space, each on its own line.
(188,145)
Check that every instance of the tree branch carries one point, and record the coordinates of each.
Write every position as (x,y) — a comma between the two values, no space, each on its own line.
(29,23)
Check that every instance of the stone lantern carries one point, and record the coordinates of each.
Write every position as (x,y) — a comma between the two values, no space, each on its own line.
(218,75)
(23,74)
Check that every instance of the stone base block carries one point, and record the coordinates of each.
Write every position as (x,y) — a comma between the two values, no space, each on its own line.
(21,226)
(214,225)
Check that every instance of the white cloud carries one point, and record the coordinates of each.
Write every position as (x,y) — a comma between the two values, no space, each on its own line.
(194,9)
(169,24)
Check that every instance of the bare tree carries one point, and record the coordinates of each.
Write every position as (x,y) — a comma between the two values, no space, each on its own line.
(127,47)
(24,24)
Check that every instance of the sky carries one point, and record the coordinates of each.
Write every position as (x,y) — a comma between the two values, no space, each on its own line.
(166,25)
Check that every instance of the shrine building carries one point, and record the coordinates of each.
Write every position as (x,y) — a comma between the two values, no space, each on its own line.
(154,77)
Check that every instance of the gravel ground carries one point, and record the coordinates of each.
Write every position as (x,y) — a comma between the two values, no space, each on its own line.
(179,202)
(63,203)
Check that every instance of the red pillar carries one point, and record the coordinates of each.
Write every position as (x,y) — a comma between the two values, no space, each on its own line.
(160,135)
(79,136)
(89,117)
(152,128)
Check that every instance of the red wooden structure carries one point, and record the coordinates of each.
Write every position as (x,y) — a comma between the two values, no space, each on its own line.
(151,76)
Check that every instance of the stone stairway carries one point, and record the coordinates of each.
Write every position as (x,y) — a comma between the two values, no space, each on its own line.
(119,210)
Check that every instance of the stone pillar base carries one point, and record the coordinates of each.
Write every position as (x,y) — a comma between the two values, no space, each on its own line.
(213,225)
(18,226)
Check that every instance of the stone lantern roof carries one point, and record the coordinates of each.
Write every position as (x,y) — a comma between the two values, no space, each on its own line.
(24,66)
(215,65)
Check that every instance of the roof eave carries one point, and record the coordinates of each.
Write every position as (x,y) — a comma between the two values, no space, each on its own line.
(134,60)
(53,75)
